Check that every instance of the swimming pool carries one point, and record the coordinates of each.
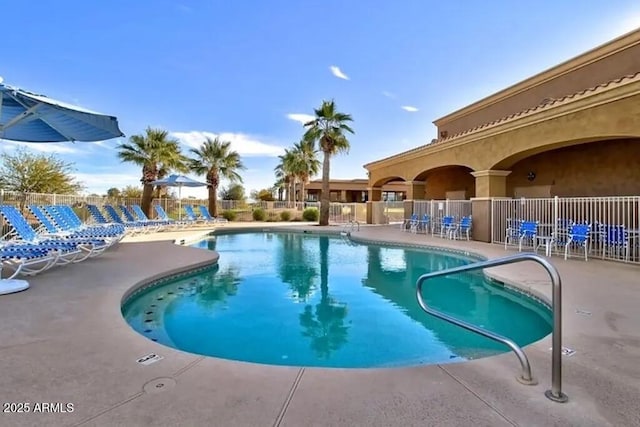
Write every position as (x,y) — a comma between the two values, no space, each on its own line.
(312,300)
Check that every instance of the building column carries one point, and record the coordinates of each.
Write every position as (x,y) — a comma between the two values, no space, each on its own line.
(375,195)
(415,190)
(489,184)
(343,196)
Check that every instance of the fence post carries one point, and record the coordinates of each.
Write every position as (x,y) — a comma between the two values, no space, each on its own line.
(555,216)
(54,199)
(1,196)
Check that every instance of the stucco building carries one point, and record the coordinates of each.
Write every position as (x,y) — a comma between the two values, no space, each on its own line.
(572,130)
(355,190)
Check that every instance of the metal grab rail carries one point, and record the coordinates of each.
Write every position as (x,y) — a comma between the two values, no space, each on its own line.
(555,393)
(351,225)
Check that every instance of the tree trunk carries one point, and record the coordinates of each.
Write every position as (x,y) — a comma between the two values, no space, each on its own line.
(325,196)
(302,198)
(147,197)
(213,197)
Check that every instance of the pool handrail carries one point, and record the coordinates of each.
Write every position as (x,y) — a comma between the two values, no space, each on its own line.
(555,394)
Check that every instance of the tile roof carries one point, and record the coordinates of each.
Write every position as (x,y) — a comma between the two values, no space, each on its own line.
(545,104)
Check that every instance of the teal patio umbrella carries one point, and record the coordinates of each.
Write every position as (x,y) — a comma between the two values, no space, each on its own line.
(178,181)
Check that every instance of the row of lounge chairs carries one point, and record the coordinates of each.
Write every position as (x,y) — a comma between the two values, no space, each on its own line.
(136,221)
(60,239)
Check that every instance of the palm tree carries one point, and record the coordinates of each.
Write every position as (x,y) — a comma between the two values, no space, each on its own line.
(157,154)
(285,171)
(328,128)
(216,160)
(306,163)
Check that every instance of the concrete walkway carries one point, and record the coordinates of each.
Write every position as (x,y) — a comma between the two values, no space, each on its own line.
(64,341)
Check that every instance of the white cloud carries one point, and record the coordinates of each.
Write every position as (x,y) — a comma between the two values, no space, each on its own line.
(301,118)
(100,182)
(389,94)
(44,147)
(409,108)
(245,145)
(336,71)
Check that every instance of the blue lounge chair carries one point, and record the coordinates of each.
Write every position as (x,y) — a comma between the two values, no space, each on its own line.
(70,249)
(26,260)
(191,215)
(204,213)
(49,227)
(129,216)
(67,220)
(134,226)
(162,215)
(141,216)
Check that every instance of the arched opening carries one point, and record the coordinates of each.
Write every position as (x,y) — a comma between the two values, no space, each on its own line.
(598,168)
(393,188)
(448,182)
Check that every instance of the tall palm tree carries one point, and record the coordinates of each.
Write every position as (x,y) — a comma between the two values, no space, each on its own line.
(285,170)
(306,163)
(157,154)
(216,160)
(328,128)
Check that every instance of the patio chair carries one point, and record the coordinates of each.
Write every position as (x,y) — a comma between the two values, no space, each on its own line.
(424,223)
(463,228)
(615,240)
(528,231)
(578,237)
(512,232)
(25,237)
(447,226)
(204,212)
(406,224)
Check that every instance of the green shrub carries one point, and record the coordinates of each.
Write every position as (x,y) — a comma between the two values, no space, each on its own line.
(229,215)
(285,216)
(310,214)
(259,214)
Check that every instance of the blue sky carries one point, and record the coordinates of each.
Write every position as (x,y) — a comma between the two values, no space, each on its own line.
(250,70)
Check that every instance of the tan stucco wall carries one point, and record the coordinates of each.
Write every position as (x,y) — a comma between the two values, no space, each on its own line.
(592,119)
(603,168)
(603,70)
(451,179)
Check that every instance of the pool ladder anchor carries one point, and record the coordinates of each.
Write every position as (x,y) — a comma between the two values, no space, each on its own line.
(555,393)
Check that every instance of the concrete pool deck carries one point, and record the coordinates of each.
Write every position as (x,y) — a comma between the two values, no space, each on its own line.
(65,341)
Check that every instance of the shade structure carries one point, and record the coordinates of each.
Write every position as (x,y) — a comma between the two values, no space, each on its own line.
(28,117)
(179,181)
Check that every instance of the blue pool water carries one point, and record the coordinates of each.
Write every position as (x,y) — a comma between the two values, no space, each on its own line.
(309,300)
